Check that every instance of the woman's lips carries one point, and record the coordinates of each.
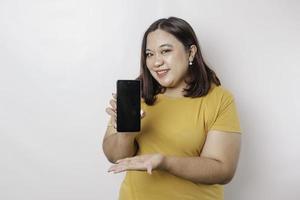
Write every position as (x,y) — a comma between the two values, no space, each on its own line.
(162,73)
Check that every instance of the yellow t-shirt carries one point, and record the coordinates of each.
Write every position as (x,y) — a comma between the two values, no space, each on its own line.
(178,127)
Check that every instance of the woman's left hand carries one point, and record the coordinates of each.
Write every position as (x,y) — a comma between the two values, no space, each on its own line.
(141,163)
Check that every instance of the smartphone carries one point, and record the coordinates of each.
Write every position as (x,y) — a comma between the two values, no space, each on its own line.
(128,106)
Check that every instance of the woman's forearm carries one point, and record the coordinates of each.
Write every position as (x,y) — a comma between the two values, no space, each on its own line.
(119,145)
(197,169)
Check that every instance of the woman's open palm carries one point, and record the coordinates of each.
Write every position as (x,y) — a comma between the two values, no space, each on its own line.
(141,163)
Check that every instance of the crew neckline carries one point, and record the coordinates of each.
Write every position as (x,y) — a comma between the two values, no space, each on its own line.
(163,96)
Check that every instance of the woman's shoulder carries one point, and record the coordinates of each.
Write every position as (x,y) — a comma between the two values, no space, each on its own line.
(219,93)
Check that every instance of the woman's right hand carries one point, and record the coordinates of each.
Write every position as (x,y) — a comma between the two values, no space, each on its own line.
(112,111)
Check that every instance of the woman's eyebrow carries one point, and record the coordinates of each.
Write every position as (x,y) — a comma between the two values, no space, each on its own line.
(167,45)
(163,45)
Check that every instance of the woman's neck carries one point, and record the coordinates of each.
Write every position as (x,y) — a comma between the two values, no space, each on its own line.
(177,90)
(174,92)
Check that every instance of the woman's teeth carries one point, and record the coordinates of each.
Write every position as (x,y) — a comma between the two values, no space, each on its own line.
(162,73)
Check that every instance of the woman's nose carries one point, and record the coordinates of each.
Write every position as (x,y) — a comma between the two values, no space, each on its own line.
(158,60)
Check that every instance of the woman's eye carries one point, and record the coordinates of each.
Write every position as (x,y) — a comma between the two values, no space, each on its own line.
(165,51)
(148,54)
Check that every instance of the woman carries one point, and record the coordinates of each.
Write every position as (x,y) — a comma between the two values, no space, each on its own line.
(189,142)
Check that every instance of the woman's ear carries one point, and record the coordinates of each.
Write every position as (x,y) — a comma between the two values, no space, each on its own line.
(193,51)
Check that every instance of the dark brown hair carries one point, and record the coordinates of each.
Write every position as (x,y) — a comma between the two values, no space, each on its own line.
(200,75)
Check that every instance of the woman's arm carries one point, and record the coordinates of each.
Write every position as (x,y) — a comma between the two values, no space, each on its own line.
(215,165)
(118,145)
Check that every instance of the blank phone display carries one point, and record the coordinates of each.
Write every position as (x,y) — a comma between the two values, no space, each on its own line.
(128,106)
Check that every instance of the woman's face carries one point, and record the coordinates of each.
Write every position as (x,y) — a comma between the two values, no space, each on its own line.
(166,59)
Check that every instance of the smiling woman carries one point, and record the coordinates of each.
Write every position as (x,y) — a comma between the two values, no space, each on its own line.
(167,61)
(189,142)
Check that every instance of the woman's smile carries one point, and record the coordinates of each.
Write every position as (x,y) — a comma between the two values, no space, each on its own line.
(162,73)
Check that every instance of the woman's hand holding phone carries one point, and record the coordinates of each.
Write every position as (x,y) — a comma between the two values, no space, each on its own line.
(112,111)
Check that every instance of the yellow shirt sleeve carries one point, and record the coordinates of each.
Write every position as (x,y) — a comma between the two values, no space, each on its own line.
(224,112)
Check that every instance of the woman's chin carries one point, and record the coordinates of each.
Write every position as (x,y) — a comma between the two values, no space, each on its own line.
(165,83)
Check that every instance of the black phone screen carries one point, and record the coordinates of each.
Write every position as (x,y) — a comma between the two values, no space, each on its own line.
(128,106)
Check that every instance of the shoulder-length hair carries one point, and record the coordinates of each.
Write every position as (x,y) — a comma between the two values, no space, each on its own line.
(200,75)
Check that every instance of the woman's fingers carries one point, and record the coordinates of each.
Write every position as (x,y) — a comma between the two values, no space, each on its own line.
(149,168)
(113,104)
(136,167)
(111,112)
(129,165)
(114,96)
(142,114)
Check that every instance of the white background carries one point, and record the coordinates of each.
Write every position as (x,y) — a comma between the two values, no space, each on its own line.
(59,60)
